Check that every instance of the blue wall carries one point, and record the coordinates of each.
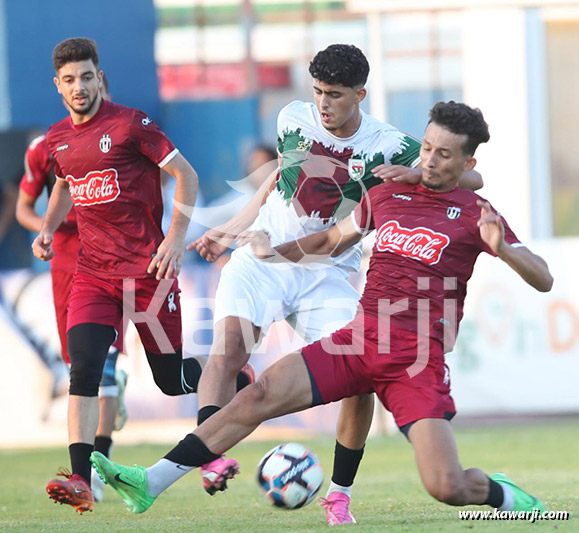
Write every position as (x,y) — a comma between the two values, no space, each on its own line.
(124,31)
(213,135)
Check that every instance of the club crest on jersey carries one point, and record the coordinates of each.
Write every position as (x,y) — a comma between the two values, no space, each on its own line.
(97,187)
(419,243)
(356,168)
(453,212)
(105,143)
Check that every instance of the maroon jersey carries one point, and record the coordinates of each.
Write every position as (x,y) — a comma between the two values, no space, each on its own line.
(39,174)
(426,246)
(111,164)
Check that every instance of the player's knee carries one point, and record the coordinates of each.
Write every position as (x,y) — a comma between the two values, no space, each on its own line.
(85,374)
(259,390)
(171,386)
(267,394)
(229,354)
(251,404)
(447,488)
(172,374)
(88,345)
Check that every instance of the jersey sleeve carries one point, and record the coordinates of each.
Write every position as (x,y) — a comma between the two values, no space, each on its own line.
(406,152)
(510,237)
(37,166)
(282,128)
(150,140)
(290,121)
(362,215)
(58,171)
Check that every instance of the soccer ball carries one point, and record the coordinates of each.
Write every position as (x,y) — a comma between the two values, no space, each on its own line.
(290,476)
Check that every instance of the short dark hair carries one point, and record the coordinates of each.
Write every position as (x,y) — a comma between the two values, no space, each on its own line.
(461,119)
(73,50)
(340,64)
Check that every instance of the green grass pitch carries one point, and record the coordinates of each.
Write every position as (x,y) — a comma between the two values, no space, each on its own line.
(388,495)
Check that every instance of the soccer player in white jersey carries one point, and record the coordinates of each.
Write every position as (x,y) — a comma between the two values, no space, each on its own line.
(330,154)
(429,236)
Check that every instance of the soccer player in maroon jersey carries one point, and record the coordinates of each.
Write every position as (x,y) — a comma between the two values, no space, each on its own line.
(330,153)
(428,238)
(107,160)
(39,175)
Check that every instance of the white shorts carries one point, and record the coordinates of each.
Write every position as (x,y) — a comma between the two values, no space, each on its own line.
(315,302)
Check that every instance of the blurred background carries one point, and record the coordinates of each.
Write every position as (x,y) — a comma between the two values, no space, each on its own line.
(214,74)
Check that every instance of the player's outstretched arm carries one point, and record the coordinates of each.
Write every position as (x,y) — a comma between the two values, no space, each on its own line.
(216,241)
(319,246)
(471,179)
(531,267)
(397,173)
(212,244)
(59,205)
(169,256)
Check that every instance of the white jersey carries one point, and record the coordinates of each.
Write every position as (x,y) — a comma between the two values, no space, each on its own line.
(323,177)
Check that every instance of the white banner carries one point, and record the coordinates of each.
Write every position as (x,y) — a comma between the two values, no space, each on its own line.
(518,349)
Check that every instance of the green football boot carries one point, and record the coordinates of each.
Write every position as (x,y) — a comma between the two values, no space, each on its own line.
(523,500)
(129,481)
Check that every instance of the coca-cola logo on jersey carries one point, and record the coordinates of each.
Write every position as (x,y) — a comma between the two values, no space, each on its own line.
(97,187)
(420,243)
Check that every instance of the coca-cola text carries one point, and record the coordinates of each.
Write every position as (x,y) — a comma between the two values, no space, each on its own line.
(419,243)
(97,187)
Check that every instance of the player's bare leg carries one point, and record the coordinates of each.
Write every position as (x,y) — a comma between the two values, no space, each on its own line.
(232,343)
(83,418)
(233,340)
(88,345)
(354,421)
(437,460)
(443,476)
(283,388)
(354,424)
(108,410)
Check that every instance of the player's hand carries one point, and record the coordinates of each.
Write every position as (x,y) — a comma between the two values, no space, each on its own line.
(397,173)
(42,246)
(491,227)
(168,259)
(212,244)
(260,243)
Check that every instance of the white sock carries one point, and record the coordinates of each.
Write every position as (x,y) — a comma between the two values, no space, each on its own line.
(508,498)
(163,474)
(339,488)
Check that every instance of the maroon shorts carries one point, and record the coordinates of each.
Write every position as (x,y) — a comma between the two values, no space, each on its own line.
(410,379)
(61,285)
(153,306)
